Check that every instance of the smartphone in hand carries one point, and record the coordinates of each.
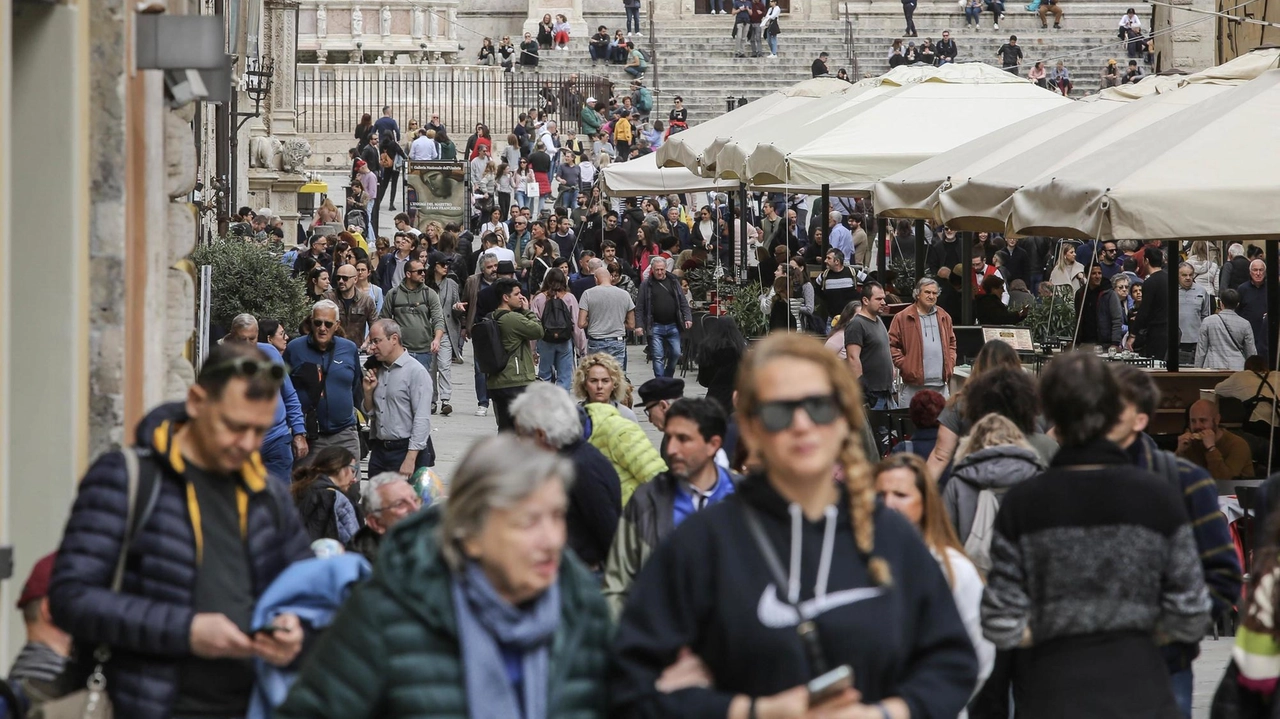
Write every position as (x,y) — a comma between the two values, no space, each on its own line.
(830,685)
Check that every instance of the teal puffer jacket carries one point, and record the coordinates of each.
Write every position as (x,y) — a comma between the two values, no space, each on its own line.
(393,651)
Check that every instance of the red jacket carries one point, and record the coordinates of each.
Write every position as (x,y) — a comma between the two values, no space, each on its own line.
(906,345)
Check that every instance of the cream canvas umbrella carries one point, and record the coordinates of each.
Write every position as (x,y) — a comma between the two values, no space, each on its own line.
(687,149)
(967,186)
(892,130)
(1208,171)
(642,176)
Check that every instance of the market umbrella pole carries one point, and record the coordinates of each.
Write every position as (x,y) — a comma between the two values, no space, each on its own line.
(966,279)
(1173,339)
(882,227)
(742,228)
(920,250)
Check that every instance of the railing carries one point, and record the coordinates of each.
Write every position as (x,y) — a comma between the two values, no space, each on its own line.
(851,54)
(424,30)
(331,98)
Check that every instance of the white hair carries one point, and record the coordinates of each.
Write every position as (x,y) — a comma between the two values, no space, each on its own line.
(548,407)
(1235,250)
(329,305)
(370,500)
(243,321)
(656,259)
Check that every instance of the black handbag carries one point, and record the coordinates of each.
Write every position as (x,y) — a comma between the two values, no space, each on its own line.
(1231,701)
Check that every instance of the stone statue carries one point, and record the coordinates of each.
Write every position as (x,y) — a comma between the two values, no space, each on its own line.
(417,22)
(385,18)
(264,152)
(294,154)
(357,22)
(322,21)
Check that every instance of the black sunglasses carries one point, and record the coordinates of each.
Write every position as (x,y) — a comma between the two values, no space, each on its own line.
(249,367)
(323,323)
(779,415)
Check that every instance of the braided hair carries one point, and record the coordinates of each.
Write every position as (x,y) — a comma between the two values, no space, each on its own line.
(858,479)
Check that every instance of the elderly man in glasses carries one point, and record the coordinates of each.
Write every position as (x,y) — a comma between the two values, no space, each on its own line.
(386,500)
(325,370)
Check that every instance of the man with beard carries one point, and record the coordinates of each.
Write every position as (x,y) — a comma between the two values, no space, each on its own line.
(694,431)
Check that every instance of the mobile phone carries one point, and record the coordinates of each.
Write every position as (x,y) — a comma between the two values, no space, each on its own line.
(270,630)
(830,685)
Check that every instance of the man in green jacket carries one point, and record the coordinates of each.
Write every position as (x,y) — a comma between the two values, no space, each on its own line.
(519,326)
(416,308)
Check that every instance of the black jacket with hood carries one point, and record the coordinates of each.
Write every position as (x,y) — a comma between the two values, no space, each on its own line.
(709,588)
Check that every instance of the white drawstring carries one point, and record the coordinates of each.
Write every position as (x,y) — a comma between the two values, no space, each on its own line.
(793,579)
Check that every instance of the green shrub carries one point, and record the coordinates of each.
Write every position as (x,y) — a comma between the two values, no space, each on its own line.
(745,308)
(248,277)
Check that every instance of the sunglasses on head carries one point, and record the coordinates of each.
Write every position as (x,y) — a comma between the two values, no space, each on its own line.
(249,367)
(779,415)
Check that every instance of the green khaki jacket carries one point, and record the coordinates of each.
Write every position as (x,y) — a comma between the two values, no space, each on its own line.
(417,312)
(518,327)
(393,653)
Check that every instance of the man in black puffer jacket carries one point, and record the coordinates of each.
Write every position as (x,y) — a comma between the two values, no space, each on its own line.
(214,535)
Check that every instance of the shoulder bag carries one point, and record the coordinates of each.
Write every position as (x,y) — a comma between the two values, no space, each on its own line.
(92,701)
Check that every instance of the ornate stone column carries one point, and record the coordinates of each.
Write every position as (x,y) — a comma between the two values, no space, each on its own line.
(276,159)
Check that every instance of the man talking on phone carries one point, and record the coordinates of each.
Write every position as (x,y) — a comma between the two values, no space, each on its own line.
(203,535)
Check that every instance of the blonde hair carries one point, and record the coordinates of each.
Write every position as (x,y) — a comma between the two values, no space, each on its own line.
(993,430)
(621,389)
(853,463)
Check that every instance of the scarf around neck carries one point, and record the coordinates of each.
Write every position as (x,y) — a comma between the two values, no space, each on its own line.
(487,624)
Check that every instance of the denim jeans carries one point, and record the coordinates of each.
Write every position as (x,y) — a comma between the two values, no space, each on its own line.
(615,348)
(277,457)
(633,19)
(482,387)
(555,361)
(973,15)
(773,44)
(633,71)
(569,197)
(424,359)
(522,200)
(664,342)
(1183,682)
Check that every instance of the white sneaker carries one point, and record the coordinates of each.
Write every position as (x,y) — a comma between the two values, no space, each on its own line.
(482,411)
(995,25)
(773,57)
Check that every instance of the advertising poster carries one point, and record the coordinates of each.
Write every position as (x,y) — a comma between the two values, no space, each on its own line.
(437,191)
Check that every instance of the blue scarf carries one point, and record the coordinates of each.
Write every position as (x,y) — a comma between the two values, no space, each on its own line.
(488,625)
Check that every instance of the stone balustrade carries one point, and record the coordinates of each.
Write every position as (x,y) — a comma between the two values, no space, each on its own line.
(382,31)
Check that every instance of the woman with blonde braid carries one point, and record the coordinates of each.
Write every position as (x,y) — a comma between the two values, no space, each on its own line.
(799,576)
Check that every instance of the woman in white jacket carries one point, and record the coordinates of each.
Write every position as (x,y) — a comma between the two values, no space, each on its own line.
(1203,259)
(1066,271)
(904,482)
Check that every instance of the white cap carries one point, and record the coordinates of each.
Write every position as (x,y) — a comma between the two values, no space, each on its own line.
(591,100)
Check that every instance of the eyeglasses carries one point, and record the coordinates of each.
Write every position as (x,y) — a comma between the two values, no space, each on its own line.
(323,323)
(779,415)
(249,367)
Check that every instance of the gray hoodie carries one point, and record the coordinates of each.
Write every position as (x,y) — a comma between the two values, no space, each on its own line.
(990,468)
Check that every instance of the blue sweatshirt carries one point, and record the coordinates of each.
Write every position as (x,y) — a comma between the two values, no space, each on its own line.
(328,381)
(288,409)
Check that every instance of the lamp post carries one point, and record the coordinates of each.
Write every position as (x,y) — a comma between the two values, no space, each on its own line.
(256,83)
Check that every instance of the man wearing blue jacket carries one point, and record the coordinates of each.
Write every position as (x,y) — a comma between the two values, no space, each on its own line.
(326,374)
(287,437)
(213,534)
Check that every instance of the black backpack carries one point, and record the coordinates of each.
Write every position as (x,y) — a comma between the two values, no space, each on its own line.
(557,325)
(486,338)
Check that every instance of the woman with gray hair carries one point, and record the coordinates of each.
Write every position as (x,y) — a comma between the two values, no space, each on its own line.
(476,611)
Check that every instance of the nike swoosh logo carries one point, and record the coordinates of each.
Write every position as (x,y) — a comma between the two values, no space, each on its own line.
(776,614)
(337,361)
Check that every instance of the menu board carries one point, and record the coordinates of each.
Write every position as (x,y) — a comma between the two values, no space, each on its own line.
(1018,338)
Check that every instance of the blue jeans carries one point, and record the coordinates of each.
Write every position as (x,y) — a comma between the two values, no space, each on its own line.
(633,19)
(556,359)
(277,457)
(773,44)
(424,359)
(615,348)
(482,387)
(724,5)
(1183,682)
(633,71)
(972,15)
(569,197)
(664,342)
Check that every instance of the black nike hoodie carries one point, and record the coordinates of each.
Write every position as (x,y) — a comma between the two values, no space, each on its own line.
(708,587)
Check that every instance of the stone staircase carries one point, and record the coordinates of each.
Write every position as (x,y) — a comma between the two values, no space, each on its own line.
(694,56)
